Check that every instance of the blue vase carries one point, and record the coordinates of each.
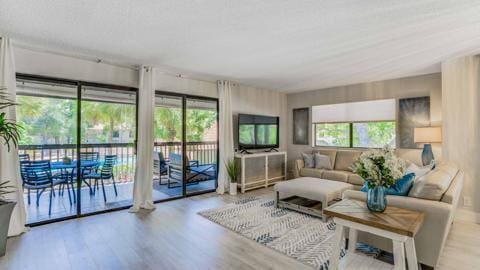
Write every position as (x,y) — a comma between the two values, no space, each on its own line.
(376,201)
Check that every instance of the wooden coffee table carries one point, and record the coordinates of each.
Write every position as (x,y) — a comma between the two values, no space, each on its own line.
(399,224)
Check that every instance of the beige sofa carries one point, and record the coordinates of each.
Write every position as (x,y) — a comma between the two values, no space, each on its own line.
(341,161)
(439,214)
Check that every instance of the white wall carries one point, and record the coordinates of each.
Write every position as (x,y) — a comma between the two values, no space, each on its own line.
(252,100)
(170,83)
(246,99)
(59,66)
(424,85)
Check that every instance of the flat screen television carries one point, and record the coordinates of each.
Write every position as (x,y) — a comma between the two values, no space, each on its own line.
(257,131)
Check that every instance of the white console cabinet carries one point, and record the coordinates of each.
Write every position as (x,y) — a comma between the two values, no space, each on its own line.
(261,169)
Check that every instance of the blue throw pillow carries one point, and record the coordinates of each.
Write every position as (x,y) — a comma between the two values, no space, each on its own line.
(401,187)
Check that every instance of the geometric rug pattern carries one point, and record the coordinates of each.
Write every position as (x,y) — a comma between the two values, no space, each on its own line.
(300,236)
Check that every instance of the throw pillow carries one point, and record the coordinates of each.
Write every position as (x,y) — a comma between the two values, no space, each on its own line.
(322,162)
(309,160)
(401,187)
(418,171)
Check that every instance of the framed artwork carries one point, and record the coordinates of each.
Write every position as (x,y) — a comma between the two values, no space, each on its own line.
(300,126)
(412,112)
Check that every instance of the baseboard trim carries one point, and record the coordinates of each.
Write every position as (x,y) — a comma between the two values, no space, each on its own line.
(467,215)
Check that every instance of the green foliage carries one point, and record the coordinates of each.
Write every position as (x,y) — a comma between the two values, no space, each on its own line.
(333,134)
(112,116)
(379,167)
(368,134)
(374,134)
(233,169)
(9,129)
(198,121)
(53,120)
(168,123)
(47,120)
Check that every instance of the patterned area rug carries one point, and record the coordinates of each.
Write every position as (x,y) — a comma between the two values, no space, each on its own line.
(302,237)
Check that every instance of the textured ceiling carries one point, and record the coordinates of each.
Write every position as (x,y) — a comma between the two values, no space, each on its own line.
(290,45)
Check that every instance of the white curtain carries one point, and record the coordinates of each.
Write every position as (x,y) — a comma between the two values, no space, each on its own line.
(142,189)
(225,132)
(9,166)
(461,120)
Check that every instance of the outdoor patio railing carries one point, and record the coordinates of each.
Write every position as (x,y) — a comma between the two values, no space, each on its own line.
(124,171)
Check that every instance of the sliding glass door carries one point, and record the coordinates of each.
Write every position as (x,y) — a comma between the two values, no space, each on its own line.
(202,144)
(107,156)
(77,149)
(168,147)
(186,145)
(77,146)
(47,112)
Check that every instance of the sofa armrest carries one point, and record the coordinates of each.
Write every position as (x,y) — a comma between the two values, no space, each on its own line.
(452,195)
(431,238)
(299,164)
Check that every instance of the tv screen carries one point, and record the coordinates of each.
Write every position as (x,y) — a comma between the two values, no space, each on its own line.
(257,131)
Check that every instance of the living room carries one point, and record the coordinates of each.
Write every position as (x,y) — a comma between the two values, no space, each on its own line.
(215,135)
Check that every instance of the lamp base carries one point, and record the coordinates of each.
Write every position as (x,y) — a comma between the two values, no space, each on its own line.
(427,154)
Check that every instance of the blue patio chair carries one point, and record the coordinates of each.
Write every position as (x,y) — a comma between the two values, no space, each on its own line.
(89,156)
(38,176)
(159,166)
(104,173)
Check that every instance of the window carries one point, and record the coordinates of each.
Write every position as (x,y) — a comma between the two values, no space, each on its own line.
(332,134)
(368,124)
(364,134)
(373,134)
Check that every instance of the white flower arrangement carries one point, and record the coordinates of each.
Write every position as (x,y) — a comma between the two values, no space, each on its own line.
(379,167)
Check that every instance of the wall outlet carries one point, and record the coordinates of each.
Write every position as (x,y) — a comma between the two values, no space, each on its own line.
(467,201)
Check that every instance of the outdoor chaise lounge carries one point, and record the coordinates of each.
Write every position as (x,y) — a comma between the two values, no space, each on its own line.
(195,172)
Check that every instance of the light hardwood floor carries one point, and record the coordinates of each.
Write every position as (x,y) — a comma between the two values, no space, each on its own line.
(175,237)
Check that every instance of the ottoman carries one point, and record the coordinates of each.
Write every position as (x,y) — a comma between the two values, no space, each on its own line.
(308,194)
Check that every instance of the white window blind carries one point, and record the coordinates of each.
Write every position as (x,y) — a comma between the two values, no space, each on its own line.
(364,111)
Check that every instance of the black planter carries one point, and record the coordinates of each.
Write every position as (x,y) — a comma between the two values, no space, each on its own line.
(6,209)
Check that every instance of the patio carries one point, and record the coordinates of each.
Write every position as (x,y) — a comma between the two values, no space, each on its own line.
(94,203)
(123,171)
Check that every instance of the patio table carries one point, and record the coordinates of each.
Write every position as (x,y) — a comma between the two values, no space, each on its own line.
(83,164)
(63,167)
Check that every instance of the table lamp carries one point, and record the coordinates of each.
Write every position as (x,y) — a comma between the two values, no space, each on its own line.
(427,135)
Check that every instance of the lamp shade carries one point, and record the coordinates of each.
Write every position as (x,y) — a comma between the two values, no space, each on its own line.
(427,135)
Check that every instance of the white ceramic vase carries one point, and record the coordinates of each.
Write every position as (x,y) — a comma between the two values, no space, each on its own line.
(233,188)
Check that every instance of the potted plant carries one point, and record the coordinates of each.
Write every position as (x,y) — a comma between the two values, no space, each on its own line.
(379,168)
(232,169)
(10,133)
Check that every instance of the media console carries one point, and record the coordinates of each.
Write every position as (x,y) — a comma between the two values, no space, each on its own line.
(261,169)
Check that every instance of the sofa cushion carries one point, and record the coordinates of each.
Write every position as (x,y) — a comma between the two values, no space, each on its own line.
(309,160)
(331,153)
(341,176)
(434,184)
(311,172)
(345,159)
(355,179)
(322,162)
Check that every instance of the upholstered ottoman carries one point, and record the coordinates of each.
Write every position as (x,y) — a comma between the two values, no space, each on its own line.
(308,194)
